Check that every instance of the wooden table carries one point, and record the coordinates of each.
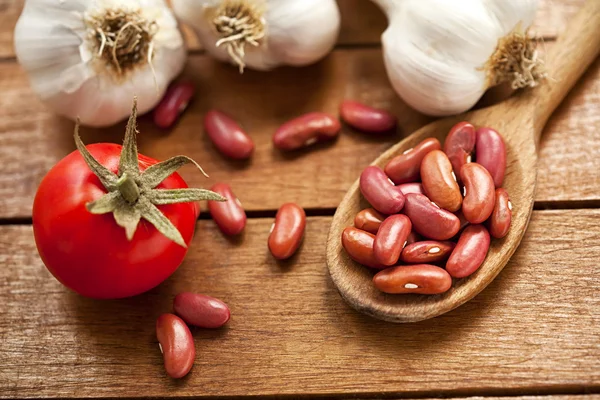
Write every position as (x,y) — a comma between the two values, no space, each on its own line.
(535,330)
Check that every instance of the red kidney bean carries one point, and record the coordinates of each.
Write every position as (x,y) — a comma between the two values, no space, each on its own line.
(490,152)
(463,221)
(287,231)
(368,220)
(439,182)
(427,252)
(429,220)
(176,344)
(413,237)
(470,251)
(380,192)
(229,215)
(460,145)
(173,104)
(306,130)
(479,193)
(406,167)
(501,216)
(391,238)
(420,278)
(413,187)
(359,246)
(201,310)
(228,137)
(365,118)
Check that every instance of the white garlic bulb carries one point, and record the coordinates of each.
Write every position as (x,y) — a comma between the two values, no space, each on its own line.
(442,55)
(263,34)
(88,58)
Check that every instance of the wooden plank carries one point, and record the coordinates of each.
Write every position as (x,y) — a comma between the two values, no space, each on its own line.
(32,139)
(362,22)
(533,330)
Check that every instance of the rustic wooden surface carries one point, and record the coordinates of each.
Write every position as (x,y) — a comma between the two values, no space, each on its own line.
(534,330)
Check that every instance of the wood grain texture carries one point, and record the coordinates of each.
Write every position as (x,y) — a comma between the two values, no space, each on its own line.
(32,139)
(534,329)
(362,22)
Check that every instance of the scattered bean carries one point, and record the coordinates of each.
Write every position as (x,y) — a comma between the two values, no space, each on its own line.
(427,252)
(479,193)
(420,278)
(460,145)
(491,153)
(413,187)
(406,167)
(368,220)
(201,310)
(359,246)
(229,215)
(287,231)
(173,104)
(365,118)
(502,215)
(228,137)
(470,251)
(176,344)
(306,130)
(391,238)
(380,192)
(439,181)
(429,220)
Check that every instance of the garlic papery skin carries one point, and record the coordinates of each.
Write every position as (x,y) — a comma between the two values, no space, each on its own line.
(263,34)
(441,56)
(87,58)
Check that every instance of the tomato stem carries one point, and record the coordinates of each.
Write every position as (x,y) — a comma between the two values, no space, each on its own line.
(128,188)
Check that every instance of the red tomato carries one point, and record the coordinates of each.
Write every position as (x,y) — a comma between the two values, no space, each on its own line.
(90,253)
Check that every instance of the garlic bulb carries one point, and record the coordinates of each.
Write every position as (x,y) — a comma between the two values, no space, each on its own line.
(441,56)
(263,34)
(87,58)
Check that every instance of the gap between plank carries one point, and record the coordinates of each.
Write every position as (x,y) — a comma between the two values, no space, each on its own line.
(329,211)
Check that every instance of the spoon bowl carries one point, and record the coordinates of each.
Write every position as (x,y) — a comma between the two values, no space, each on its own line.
(520,121)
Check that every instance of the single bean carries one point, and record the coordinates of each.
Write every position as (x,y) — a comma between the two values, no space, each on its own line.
(391,238)
(460,145)
(368,220)
(420,278)
(287,231)
(413,187)
(359,246)
(201,310)
(490,151)
(173,104)
(365,118)
(430,220)
(479,193)
(439,182)
(228,137)
(427,252)
(380,192)
(229,215)
(306,130)
(176,344)
(406,167)
(413,237)
(470,251)
(501,216)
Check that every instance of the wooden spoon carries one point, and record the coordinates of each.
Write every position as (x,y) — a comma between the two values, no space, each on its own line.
(520,120)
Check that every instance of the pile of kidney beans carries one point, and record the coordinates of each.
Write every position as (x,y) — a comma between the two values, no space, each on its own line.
(433,212)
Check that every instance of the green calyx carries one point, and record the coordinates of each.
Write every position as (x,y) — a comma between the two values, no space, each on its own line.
(132,194)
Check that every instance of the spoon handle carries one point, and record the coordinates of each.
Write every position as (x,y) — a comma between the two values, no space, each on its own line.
(567,60)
